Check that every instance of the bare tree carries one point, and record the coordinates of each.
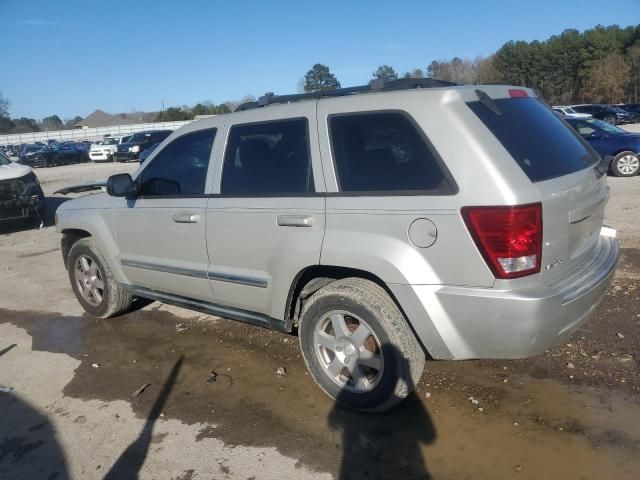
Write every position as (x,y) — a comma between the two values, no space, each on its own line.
(4,107)
(634,59)
(608,78)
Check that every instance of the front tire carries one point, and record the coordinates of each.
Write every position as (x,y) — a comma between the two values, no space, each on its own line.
(625,164)
(358,346)
(93,283)
(610,119)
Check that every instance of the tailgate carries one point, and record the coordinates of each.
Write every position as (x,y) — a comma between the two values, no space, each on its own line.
(572,215)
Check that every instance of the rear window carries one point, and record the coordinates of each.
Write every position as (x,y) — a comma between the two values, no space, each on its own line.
(536,138)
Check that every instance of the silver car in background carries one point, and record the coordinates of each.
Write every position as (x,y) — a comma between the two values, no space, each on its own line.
(383,224)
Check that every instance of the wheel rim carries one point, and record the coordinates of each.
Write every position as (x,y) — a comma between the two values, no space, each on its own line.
(610,120)
(89,280)
(628,164)
(349,351)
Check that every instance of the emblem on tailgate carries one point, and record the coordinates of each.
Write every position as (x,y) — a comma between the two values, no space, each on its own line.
(554,264)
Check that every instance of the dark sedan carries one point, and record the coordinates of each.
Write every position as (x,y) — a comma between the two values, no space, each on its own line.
(622,147)
(612,115)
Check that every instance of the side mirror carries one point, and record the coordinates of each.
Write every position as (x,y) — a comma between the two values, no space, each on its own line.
(121,185)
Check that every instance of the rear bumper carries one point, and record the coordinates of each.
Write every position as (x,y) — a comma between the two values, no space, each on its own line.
(488,323)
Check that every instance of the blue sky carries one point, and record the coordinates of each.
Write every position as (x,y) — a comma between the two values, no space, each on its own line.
(69,57)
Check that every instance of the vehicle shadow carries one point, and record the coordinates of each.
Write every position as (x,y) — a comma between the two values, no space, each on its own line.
(130,462)
(47,220)
(28,444)
(384,445)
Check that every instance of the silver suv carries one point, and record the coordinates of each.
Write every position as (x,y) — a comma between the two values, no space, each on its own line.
(383,224)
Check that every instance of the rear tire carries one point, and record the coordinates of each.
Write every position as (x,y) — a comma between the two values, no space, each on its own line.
(93,283)
(625,164)
(358,346)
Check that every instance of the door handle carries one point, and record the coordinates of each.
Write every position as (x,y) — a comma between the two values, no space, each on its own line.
(295,220)
(183,217)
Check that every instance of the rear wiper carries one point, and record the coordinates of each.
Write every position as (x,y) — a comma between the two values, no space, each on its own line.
(488,102)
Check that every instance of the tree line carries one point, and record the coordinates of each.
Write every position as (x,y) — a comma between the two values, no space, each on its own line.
(600,65)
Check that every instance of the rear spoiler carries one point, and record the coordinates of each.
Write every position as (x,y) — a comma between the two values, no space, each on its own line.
(83,187)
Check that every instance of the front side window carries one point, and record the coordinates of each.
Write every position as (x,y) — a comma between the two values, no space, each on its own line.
(268,158)
(180,168)
(384,152)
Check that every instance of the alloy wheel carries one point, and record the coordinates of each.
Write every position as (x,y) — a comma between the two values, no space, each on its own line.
(628,165)
(349,351)
(89,280)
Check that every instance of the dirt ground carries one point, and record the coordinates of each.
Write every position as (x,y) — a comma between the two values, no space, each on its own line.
(214,408)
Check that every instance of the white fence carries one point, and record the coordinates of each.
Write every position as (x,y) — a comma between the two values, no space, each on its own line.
(78,134)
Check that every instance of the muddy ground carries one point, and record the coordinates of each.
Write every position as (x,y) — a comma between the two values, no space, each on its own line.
(214,408)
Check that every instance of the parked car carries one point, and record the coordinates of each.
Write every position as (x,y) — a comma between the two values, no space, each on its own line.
(145,154)
(355,218)
(614,116)
(138,143)
(39,156)
(630,107)
(570,112)
(70,152)
(633,109)
(105,150)
(21,197)
(620,148)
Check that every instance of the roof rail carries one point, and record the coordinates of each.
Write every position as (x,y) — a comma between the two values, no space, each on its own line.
(376,85)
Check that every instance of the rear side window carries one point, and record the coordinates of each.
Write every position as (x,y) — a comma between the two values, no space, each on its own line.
(535,137)
(268,158)
(384,152)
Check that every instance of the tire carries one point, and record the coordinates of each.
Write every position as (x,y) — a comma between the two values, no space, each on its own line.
(109,301)
(625,164)
(394,358)
(610,119)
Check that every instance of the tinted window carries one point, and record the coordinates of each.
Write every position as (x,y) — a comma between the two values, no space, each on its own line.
(384,152)
(536,138)
(268,158)
(181,167)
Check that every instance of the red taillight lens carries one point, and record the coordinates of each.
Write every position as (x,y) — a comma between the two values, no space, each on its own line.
(518,93)
(509,238)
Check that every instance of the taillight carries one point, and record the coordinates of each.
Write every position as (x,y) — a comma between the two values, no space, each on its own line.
(509,238)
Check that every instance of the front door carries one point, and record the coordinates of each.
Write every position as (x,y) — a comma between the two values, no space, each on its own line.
(267,222)
(161,233)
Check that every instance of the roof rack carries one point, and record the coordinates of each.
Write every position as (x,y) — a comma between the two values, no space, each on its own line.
(376,85)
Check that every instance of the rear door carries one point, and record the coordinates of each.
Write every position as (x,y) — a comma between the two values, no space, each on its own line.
(561,166)
(266,223)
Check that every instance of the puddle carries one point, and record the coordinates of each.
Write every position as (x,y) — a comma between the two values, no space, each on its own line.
(536,428)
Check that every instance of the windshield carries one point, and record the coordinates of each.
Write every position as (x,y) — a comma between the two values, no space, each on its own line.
(110,141)
(569,110)
(33,148)
(587,126)
(4,160)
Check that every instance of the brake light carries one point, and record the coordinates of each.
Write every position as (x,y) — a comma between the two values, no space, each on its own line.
(518,93)
(509,238)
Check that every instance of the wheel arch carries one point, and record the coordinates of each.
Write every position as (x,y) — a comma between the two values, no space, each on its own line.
(69,237)
(314,277)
